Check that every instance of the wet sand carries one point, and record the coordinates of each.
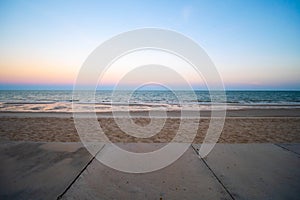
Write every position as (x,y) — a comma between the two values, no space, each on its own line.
(269,126)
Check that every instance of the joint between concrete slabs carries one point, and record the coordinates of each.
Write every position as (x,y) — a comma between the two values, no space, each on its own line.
(278,145)
(78,175)
(214,174)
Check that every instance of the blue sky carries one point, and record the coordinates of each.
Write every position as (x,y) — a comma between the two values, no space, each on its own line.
(254,44)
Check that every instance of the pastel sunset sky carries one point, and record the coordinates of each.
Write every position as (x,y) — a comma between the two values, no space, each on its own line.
(254,44)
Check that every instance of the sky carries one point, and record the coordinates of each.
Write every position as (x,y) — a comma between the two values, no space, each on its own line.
(254,44)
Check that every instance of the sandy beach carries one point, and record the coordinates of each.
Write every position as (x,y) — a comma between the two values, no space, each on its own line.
(269,126)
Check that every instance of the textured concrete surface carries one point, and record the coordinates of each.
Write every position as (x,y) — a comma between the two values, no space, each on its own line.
(291,147)
(187,178)
(31,170)
(256,171)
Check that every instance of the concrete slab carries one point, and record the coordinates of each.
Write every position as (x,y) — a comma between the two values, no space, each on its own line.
(291,147)
(187,178)
(256,171)
(32,170)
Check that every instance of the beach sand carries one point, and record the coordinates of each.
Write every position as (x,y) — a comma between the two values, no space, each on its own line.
(238,129)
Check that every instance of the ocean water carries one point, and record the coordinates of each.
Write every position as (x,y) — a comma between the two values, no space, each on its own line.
(104,101)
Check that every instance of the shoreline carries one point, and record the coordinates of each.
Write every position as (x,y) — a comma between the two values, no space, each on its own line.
(268,112)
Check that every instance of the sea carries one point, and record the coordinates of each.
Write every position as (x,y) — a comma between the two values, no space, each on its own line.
(143,100)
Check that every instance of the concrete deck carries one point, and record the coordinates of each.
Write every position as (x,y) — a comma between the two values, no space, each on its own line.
(31,170)
(256,171)
(231,171)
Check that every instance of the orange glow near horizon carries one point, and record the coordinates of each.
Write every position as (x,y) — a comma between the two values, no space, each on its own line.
(48,71)
(28,72)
